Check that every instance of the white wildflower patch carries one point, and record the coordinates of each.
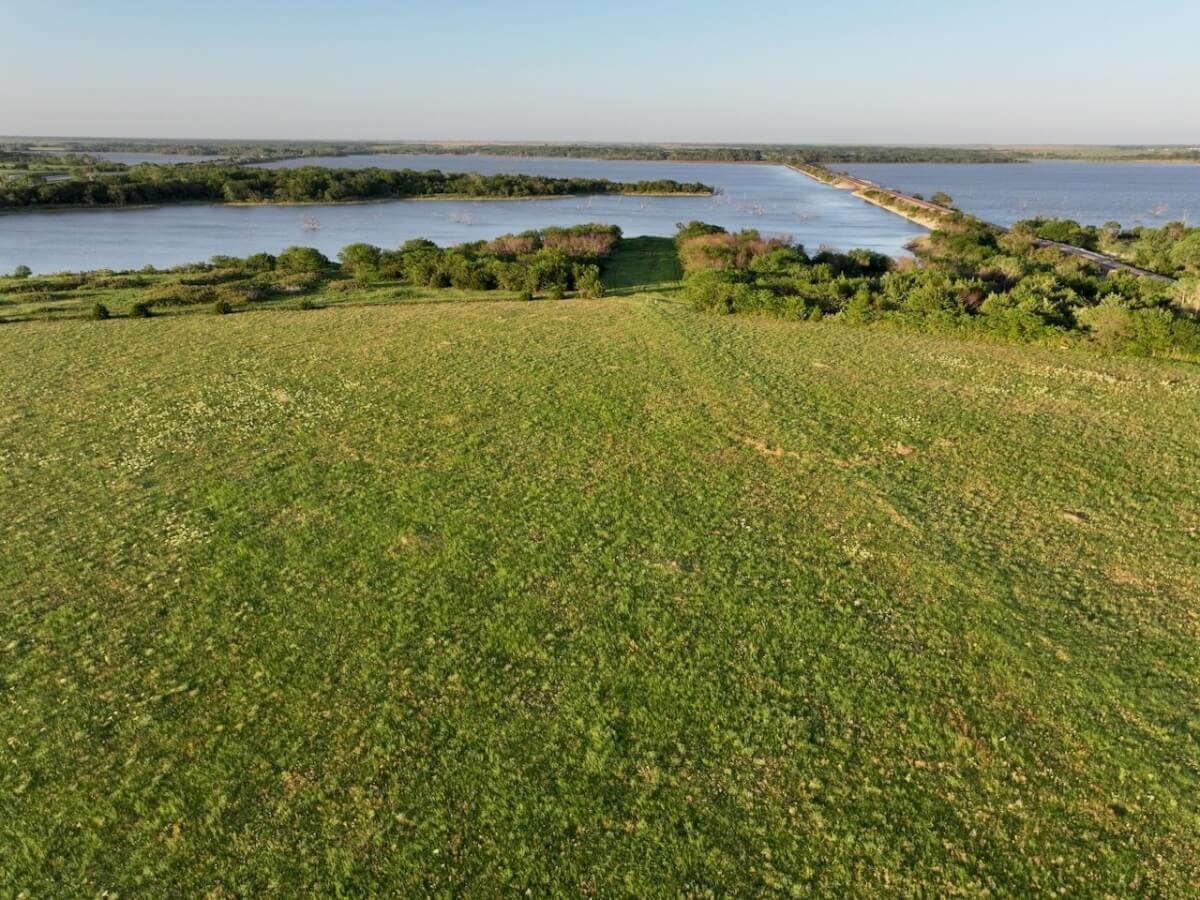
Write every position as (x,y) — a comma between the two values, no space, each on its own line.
(179,530)
(857,552)
(236,406)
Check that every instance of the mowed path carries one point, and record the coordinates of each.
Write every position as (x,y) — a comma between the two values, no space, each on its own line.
(591,597)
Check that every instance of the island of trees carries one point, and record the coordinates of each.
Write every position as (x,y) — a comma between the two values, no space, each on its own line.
(202,182)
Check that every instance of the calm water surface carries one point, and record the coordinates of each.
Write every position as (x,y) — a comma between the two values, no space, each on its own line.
(1092,193)
(773,199)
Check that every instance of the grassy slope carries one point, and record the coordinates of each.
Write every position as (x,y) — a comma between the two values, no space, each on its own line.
(591,596)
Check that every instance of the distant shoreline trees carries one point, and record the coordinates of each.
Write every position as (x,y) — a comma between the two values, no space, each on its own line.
(149,184)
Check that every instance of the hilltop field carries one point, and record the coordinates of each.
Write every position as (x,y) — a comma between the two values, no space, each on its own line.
(434,593)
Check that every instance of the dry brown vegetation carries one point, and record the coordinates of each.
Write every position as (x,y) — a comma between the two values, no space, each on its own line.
(724,251)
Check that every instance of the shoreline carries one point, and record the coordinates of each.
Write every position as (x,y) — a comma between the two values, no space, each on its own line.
(241,204)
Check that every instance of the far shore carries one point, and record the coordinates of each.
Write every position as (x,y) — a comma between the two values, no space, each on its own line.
(461,198)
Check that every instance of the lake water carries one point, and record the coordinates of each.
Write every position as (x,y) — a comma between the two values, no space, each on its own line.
(1092,193)
(773,199)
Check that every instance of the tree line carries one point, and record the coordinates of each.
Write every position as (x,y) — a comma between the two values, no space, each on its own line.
(550,262)
(156,184)
(249,151)
(1172,249)
(968,277)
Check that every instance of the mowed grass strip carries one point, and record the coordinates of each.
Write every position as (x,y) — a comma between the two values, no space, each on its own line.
(591,597)
(641,262)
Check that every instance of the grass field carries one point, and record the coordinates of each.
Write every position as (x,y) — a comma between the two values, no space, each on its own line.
(642,262)
(591,597)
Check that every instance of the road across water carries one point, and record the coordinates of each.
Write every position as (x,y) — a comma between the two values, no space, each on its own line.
(929,214)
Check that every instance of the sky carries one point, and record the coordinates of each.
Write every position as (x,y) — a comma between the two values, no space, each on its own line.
(861,71)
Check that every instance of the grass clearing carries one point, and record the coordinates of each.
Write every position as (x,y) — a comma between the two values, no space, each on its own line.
(592,597)
(642,262)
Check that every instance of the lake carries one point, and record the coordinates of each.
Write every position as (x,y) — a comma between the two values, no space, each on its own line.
(1092,193)
(773,199)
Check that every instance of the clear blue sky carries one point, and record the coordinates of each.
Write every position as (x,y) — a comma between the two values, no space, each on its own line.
(1013,71)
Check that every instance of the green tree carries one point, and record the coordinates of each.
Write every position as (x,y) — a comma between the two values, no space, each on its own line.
(260,262)
(22,272)
(361,260)
(941,198)
(301,259)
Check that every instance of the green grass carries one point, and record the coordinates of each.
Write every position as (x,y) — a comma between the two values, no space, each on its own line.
(640,263)
(591,597)
(64,299)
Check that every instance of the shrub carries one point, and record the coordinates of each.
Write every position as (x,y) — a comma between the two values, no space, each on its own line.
(1187,295)
(554,293)
(99,312)
(587,282)
(306,303)
(302,259)
(711,290)
(245,292)
(179,295)
(695,229)
(120,281)
(525,295)
(860,310)
(222,308)
(361,260)
(22,272)
(583,241)
(549,266)
(260,262)
(216,276)
(140,310)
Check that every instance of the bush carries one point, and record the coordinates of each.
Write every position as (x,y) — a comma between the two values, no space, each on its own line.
(179,295)
(259,262)
(140,310)
(99,312)
(120,281)
(554,293)
(361,260)
(587,282)
(302,259)
(245,292)
(222,308)
(306,303)
(22,272)
(525,295)
(860,310)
